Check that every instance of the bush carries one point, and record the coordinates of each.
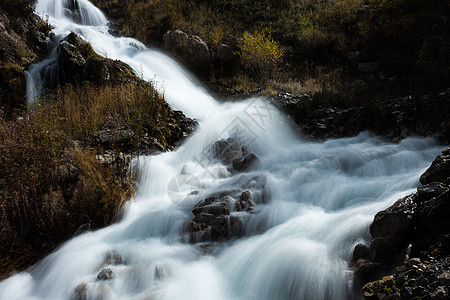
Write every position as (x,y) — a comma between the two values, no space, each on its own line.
(260,55)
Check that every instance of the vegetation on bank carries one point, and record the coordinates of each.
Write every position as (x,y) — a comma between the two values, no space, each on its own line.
(323,41)
(50,180)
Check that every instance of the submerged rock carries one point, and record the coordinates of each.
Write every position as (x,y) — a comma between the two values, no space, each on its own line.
(231,153)
(106,274)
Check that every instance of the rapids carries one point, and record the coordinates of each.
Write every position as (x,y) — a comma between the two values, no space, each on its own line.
(316,202)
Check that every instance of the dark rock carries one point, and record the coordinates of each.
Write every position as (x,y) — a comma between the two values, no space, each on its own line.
(77,61)
(245,163)
(215,210)
(439,170)
(429,191)
(365,271)
(205,218)
(230,152)
(391,230)
(433,219)
(71,60)
(189,48)
(361,251)
(208,201)
(106,274)
(236,226)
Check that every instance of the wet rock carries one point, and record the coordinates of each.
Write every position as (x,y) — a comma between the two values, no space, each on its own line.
(429,191)
(439,170)
(391,230)
(215,210)
(433,219)
(205,218)
(230,152)
(113,258)
(361,251)
(213,220)
(80,292)
(208,201)
(106,274)
(245,163)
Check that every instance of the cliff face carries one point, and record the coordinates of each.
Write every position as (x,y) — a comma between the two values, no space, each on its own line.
(22,42)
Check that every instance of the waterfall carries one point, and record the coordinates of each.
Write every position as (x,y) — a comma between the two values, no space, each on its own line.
(314,201)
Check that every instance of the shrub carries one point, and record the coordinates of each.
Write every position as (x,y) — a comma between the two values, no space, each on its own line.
(260,55)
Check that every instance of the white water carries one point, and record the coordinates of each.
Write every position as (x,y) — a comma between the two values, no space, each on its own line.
(315,201)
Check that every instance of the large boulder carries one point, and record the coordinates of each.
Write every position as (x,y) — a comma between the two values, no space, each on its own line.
(191,49)
(77,61)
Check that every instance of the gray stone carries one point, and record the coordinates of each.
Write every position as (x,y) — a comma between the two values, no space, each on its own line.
(190,48)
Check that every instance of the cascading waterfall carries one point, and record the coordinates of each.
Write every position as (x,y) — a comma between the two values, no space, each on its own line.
(314,205)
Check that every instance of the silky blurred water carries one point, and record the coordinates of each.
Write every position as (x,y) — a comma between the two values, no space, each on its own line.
(314,201)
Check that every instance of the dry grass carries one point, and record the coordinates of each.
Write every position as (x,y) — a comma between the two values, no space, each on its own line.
(49,185)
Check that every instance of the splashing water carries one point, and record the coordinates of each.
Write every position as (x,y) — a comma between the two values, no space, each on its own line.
(314,201)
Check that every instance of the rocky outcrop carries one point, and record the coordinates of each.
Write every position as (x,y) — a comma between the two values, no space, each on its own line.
(197,55)
(439,170)
(421,220)
(191,49)
(77,62)
(395,119)
(22,42)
